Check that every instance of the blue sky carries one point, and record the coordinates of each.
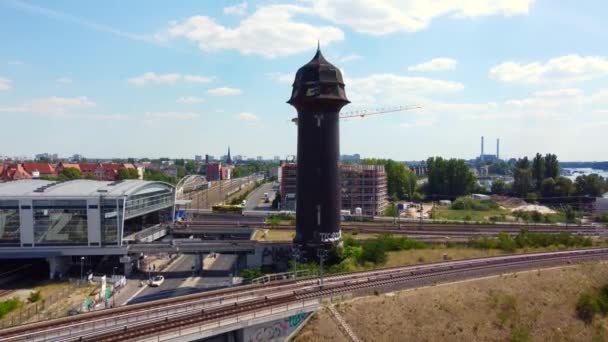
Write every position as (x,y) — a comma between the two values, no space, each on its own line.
(152,78)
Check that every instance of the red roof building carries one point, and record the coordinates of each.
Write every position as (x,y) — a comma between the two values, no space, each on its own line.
(62,166)
(109,172)
(43,169)
(14,172)
(87,168)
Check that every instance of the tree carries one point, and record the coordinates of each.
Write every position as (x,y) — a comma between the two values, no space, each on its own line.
(391,210)
(191,167)
(522,178)
(499,187)
(69,173)
(551,166)
(401,181)
(125,173)
(449,178)
(547,187)
(590,185)
(563,187)
(538,171)
(276,202)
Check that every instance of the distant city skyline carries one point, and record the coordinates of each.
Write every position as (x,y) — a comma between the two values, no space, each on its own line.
(143,79)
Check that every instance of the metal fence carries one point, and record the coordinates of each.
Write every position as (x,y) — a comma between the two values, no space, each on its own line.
(38,311)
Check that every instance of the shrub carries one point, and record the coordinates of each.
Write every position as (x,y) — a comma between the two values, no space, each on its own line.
(373,251)
(468,203)
(506,242)
(8,306)
(587,307)
(34,296)
(251,273)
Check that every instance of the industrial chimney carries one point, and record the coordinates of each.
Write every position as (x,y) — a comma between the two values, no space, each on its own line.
(497,148)
(481,156)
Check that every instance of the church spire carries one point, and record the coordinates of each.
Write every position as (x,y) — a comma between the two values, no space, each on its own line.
(228,159)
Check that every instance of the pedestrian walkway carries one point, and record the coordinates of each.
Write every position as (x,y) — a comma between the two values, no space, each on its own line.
(343,325)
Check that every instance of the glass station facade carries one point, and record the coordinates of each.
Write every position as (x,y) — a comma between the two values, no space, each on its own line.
(55,214)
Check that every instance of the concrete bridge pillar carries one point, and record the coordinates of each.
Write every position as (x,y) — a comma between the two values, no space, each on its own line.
(58,266)
(198,263)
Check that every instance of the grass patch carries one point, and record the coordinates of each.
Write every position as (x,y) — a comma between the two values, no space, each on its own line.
(440,213)
(9,305)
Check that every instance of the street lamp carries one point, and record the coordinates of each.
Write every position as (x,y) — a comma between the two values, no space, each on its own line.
(322,254)
(296,254)
(81,268)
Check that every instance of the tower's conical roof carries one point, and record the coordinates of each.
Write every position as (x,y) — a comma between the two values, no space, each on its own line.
(318,79)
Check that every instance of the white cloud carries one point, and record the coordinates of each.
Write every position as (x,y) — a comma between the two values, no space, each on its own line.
(190,99)
(350,58)
(224,91)
(172,115)
(52,106)
(64,80)
(379,17)
(5,84)
(171,78)
(271,31)
(238,9)
(284,78)
(396,89)
(16,62)
(246,116)
(435,64)
(564,69)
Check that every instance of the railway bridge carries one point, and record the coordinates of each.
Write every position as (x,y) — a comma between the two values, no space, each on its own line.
(271,310)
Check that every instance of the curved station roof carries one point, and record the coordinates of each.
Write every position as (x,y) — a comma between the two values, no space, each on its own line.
(79,188)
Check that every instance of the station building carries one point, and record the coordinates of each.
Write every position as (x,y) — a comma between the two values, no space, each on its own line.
(49,219)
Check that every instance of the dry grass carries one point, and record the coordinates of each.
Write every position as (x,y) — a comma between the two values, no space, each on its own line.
(274,235)
(417,256)
(321,327)
(537,305)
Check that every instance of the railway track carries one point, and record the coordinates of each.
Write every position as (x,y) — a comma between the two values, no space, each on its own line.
(133,322)
(461,230)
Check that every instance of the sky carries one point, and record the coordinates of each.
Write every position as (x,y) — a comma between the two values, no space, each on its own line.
(178,79)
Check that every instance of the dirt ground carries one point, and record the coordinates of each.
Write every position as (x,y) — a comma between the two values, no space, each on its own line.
(536,305)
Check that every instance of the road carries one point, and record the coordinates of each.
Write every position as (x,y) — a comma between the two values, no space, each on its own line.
(255,201)
(218,192)
(179,281)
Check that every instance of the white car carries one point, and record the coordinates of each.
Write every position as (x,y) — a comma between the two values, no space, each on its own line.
(156,281)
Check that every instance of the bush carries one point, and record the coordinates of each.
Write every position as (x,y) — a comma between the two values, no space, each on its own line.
(34,296)
(592,303)
(373,251)
(603,218)
(8,306)
(468,203)
(506,242)
(251,273)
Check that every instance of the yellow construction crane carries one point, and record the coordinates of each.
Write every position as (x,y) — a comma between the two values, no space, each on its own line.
(366,112)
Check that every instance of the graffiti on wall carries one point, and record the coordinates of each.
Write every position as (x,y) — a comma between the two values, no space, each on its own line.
(272,255)
(274,331)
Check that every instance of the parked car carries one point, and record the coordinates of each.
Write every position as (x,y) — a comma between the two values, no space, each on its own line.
(157,281)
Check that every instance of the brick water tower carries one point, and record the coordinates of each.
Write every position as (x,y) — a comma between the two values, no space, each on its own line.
(318,95)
